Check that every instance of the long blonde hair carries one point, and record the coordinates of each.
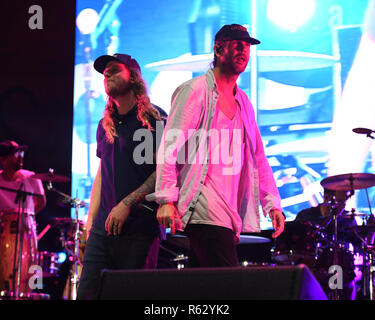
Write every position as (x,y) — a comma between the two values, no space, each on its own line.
(145,110)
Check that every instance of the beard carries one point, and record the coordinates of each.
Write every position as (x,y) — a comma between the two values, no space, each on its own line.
(117,88)
(231,67)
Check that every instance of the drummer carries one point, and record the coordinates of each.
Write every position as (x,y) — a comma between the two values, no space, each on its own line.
(321,215)
(14,177)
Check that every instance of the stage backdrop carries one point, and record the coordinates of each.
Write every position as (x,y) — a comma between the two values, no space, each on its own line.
(308,80)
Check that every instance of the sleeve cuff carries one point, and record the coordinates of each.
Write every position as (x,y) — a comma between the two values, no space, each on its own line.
(163,197)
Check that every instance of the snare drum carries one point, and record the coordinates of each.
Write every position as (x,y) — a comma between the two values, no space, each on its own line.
(9,250)
(297,244)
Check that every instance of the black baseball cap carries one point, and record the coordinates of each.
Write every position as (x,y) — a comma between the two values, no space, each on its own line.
(235,32)
(101,62)
(9,147)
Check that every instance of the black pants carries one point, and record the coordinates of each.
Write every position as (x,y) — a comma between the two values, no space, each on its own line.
(126,251)
(211,246)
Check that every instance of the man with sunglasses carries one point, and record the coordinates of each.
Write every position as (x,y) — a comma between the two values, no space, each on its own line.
(14,177)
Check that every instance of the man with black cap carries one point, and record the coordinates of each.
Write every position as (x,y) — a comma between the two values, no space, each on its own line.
(14,177)
(213,192)
(123,232)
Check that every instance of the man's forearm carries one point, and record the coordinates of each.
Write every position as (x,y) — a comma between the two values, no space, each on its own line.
(139,194)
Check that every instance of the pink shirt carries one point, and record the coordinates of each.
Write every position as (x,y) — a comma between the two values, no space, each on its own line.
(193,109)
(29,184)
(218,203)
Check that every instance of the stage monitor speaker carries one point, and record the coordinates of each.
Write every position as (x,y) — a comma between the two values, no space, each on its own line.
(240,283)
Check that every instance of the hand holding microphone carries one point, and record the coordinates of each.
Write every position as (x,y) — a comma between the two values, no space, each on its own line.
(365,131)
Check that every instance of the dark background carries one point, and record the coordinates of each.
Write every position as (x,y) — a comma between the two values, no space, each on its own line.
(36,100)
(36,92)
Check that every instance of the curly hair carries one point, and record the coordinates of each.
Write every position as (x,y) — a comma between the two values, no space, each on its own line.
(145,110)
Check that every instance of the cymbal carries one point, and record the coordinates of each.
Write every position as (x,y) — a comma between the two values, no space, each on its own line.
(250,239)
(349,181)
(64,222)
(51,177)
(269,61)
(181,240)
(59,221)
(354,214)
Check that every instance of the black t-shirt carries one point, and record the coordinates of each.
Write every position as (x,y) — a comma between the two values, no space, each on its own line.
(125,166)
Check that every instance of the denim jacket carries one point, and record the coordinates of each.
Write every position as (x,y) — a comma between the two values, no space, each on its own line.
(178,178)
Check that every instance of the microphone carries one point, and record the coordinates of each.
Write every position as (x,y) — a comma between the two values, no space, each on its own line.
(362,131)
(19,193)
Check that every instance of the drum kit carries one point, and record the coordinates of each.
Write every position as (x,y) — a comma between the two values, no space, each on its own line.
(22,266)
(319,246)
(335,241)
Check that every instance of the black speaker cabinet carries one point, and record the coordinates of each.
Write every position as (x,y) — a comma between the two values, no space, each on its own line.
(240,283)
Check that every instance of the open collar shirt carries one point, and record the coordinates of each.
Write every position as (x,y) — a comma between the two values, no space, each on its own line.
(181,171)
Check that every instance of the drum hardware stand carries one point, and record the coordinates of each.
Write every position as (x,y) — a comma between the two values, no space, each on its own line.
(335,215)
(371,270)
(181,259)
(16,277)
(368,262)
(77,204)
(369,249)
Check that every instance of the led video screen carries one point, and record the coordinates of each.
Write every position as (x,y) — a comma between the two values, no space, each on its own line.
(310,80)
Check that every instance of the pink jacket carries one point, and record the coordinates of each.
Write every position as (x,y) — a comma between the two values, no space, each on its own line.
(179,174)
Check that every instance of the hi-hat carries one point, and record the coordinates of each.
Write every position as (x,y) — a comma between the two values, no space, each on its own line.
(351,215)
(51,177)
(181,240)
(65,223)
(349,181)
